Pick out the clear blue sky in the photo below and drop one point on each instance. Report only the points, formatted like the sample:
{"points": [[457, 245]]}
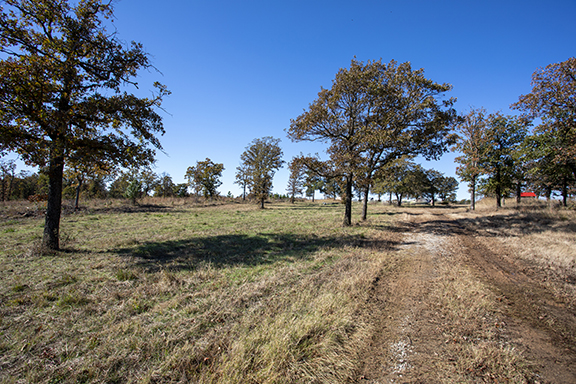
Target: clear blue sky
{"points": [[240, 70]]}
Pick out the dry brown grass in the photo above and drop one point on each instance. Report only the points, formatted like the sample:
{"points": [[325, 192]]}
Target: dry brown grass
{"points": [[458, 329], [214, 292], [474, 332], [207, 293], [543, 237]]}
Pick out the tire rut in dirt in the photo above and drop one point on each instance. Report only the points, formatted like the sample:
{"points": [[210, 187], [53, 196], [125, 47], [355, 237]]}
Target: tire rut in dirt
{"points": [[404, 345], [537, 320]]}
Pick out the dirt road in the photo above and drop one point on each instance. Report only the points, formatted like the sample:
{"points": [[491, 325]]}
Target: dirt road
{"points": [[462, 306]]}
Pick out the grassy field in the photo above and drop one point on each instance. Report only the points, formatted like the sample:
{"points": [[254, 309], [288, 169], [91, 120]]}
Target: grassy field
{"points": [[165, 293], [182, 291]]}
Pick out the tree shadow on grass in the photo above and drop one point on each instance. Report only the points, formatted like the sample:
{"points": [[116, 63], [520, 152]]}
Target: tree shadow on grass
{"points": [[392, 213], [502, 225], [140, 208], [240, 250]]}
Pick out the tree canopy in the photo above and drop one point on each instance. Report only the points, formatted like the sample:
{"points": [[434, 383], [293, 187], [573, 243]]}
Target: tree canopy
{"points": [[470, 132], [401, 177], [553, 100], [63, 92], [296, 179], [503, 137], [550, 152], [260, 161], [205, 177], [373, 114]]}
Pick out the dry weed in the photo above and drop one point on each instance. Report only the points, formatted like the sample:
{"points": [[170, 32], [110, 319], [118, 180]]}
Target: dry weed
{"points": [[473, 330]]}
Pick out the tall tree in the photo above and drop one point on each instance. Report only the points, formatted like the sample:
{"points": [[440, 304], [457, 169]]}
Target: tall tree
{"points": [[7, 174], [380, 187], [242, 178], [373, 114], [295, 179], [86, 165], [470, 132], [447, 188], [205, 177], [312, 183], [261, 159], [149, 180], [165, 186], [553, 101], [331, 187], [401, 177], [63, 92], [119, 184], [543, 172], [503, 137], [432, 182]]}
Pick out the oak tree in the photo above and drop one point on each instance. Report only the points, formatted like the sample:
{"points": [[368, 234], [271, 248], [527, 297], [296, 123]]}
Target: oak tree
{"points": [[242, 178], [373, 114], [312, 183], [63, 92], [295, 179], [205, 177], [165, 186], [503, 137], [436, 185], [553, 100], [401, 177], [544, 173], [447, 188], [86, 165], [470, 131], [431, 183], [148, 179], [261, 159]]}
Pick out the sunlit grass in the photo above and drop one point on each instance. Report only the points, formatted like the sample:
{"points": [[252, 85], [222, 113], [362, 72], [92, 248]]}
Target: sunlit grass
{"points": [[203, 293], [227, 293]]}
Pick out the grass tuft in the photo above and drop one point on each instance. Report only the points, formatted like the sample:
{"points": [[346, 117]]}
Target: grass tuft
{"points": [[126, 275]]}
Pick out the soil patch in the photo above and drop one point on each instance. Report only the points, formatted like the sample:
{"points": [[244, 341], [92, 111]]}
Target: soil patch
{"points": [[537, 320], [460, 307]]}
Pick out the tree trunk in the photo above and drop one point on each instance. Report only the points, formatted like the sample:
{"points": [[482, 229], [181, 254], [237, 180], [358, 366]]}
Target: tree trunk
{"points": [[473, 197], [390, 199], [348, 209], [399, 199], [549, 194], [262, 202], [564, 192], [365, 205], [498, 190], [80, 179], [518, 192], [10, 185], [313, 193], [50, 239]]}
